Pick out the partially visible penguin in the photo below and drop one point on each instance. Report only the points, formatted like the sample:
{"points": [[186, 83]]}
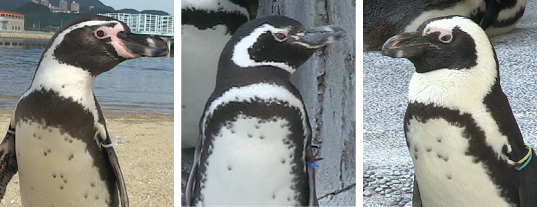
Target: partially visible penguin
{"points": [[255, 147], [57, 138], [383, 19], [465, 143], [501, 16], [206, 27]]}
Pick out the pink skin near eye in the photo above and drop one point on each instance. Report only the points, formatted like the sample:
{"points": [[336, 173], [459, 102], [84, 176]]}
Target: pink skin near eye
{"points": [[111, 32], [443, 32]]}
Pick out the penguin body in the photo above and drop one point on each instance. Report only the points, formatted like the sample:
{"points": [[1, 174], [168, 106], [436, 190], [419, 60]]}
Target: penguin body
{"points": [[256, 138], [206, 27], [463, 138], [64, 154]]}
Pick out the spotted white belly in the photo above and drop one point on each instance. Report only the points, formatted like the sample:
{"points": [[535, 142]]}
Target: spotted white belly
{"points": [[250, 165], [200, 53], [56, 170], [445, 175]]}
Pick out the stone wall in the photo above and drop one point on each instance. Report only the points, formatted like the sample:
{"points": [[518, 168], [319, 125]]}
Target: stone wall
{"points": [[327, 84]]}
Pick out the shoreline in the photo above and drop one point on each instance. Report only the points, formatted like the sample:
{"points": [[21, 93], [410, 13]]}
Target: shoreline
{"points": [[145, 152]]}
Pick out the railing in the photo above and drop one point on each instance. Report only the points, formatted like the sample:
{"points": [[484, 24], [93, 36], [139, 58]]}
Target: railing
{"points": [[26, 35]]}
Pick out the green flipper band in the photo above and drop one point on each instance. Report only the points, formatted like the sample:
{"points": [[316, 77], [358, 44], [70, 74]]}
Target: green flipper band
{"points": [[526, 159]]}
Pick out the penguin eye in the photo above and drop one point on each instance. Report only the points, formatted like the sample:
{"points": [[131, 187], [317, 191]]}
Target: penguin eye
{"points": [[100, 34], [445, 39], [280, 37]]}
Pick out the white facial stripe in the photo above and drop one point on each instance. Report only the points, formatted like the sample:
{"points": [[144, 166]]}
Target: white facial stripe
{"points": [[214, 6], [61, 35], [330, 40], [432, 29], [242, 58], [462, 89]]}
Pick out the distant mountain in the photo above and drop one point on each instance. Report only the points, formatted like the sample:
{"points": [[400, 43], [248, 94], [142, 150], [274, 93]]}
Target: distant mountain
{"points": [[134, 11], [10, 5], [155, 12], [128, 11], [32, 8]]}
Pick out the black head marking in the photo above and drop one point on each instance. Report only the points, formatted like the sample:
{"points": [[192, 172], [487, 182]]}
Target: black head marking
{"points": [[276, 41], [97, 44], [458, 54], [439, 43]]}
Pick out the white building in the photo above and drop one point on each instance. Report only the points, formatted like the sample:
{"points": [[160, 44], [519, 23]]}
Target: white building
{"points": [[11, 21], [146, 23], [63, 5], [45, 3], [75, 7]]}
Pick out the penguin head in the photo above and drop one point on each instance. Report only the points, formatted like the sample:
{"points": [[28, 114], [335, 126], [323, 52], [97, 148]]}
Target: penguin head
{"points": [[455, 62], [451, 42], [276, 41], [97, 44]]}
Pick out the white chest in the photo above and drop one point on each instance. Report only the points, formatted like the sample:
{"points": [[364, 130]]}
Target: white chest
{"points": [[250, 164], [56, 170], [445, 174]]}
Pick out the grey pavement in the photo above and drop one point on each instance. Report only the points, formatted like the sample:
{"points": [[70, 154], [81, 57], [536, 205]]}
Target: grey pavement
{"points": [[388, 170]]}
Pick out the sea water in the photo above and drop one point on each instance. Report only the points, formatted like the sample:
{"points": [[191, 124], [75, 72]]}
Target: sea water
{"points": [[143, 85]]}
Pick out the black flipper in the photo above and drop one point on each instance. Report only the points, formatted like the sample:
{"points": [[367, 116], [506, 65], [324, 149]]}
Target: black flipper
{"points": [[193, 177], [114, 161], [416, 198], [528, 183], [8, 160], [491, 14]]}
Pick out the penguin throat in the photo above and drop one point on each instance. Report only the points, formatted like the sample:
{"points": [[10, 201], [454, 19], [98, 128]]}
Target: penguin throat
{"points": [[68, 81], [455, 89]]}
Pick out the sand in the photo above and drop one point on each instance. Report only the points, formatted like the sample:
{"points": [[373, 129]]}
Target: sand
{"points": [[145, 153]]}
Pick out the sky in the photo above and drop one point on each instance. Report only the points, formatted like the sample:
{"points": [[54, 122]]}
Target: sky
{"points": [[164, 5]]}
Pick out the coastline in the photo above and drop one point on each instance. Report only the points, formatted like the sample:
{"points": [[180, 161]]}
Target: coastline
{"points": [[145, 152]]}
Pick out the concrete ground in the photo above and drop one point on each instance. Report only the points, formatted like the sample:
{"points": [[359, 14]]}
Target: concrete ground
{"points": [[388, 169]]}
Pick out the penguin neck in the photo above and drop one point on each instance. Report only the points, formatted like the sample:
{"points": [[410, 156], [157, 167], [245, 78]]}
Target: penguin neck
{"points": [[66, 80], [233, 75], [462, 89]]}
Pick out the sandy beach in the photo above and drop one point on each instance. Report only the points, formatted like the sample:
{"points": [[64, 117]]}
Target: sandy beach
{"points": [[145, 151]]}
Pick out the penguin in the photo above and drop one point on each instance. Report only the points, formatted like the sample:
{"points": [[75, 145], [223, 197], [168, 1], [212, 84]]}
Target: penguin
{"points": [[57, 138], [255, 147], [383, 19], [465, 143], [501, 17], [206, 27]]}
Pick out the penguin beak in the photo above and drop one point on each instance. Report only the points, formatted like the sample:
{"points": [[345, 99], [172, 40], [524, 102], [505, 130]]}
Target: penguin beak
{"points": [[137, 45], [405, 45], [320, 36]]}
